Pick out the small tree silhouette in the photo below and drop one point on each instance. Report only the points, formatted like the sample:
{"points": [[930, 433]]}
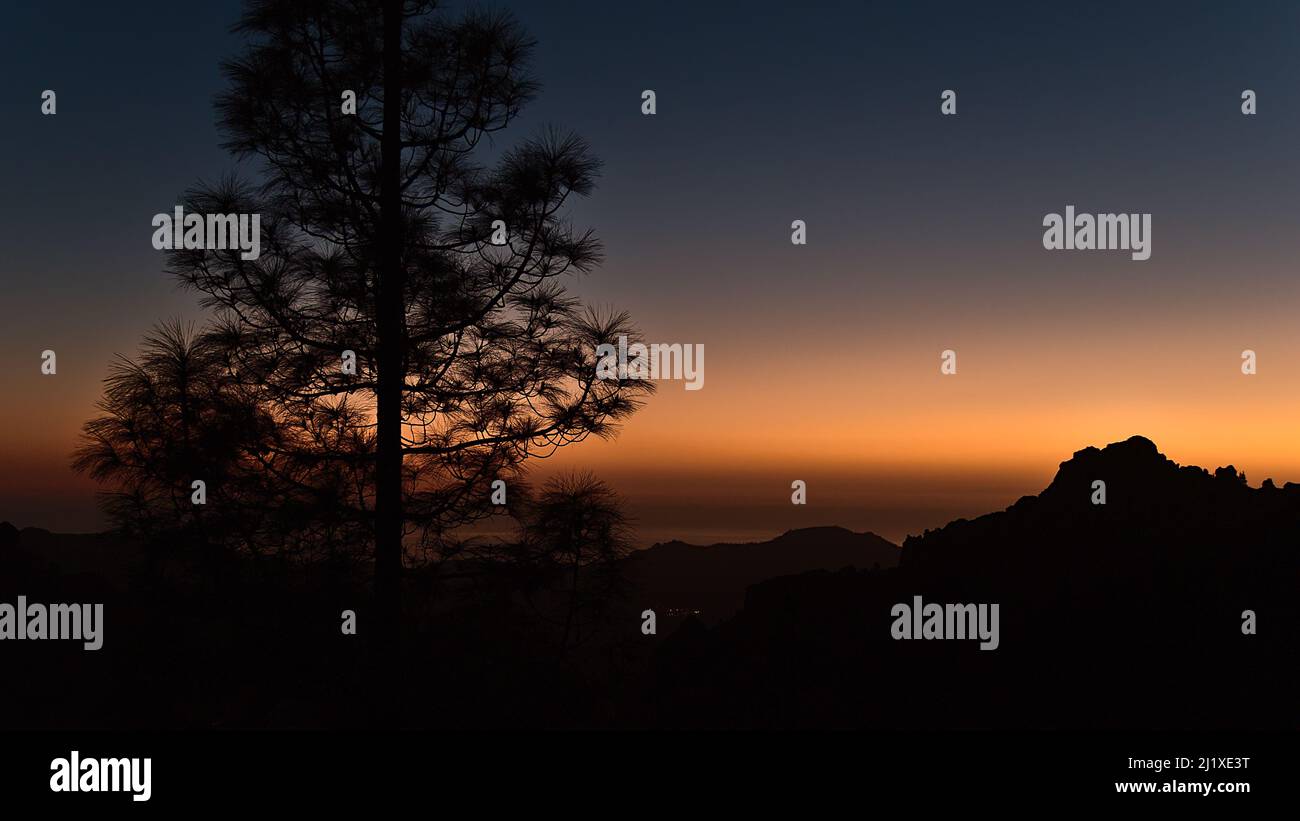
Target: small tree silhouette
{"points": [[377, 238], [168, 419], [575, 533], [172, 416]]}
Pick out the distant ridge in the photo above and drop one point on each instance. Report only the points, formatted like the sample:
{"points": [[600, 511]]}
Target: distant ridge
{"points": [[713, 578], [103, 556]]}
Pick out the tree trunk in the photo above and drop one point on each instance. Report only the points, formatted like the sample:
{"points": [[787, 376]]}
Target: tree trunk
{"points": [[390, 356]]}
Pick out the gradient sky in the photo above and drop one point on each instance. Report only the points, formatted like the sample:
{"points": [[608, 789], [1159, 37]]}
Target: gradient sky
{"points": [[821, 361]]}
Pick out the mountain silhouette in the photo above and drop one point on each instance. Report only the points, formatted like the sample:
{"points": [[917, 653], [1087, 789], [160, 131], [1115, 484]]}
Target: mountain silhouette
{"points": [[1123, 614], [101, 556], [710, 582]]}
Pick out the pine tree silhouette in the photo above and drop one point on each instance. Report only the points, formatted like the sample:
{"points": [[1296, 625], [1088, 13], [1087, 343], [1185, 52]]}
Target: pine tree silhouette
{"points": [[381, 236]]}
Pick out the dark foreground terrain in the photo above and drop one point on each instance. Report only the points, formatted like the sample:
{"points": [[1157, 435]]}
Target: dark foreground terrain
{"points": [[1124, 615]]}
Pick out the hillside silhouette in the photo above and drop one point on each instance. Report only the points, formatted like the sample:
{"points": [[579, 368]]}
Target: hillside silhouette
{"points": [[1126, 614], [1122, 615]]}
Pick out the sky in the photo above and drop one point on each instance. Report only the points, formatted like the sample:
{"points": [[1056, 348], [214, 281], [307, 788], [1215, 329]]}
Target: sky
{"points": [[924, 234]]}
